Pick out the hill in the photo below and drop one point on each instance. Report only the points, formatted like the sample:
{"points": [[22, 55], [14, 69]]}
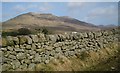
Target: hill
{"points": [[34, 20]]}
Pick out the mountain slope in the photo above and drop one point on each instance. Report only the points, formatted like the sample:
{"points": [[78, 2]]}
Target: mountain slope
{"points": [[35, 20]]}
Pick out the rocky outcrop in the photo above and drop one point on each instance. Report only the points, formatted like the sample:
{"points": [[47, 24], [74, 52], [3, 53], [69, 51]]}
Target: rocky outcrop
{"points": [[25, 52]]}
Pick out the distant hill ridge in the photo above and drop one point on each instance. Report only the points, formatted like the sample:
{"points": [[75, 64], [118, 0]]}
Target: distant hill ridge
{"points": [[35, 20]]}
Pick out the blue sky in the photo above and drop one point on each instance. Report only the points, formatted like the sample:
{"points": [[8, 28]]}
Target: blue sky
{"points": [[98, 13]]}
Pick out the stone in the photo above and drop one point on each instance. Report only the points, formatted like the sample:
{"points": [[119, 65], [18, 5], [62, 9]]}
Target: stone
{"points": [[62, 37], [18, 50], [10, 41], [22, 46], [12, 57], [27, 61], [57, 37], [38, 45], [21, 56], [30, 57], [57, 55], [6, 60], [23, 67], [58, 44], [28, 47], [67, 36], [75, 36], [76, 46], [66, 42], [31, 67], [29, 40], [33, 46], [43, 59], [5, 67], [16, 40], [31, 52], [15, 64], [17, 46], [52, 38], [51, 58], [49, 48], [12, 52], [72, 48], [4, 49], [37, 58], [41, 37], [90, 35], [52, 53], [47, 52], [64, 47], [84, 35], [47, 61], [66, 53], [23, 40], [46, 57], [71, 53], [34, 38], [40, 50], [58, 49], [7, 53]]}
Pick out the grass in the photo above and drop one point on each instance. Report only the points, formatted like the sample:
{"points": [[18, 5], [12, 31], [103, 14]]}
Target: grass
{"points": [[43, 67], [111, 64]]}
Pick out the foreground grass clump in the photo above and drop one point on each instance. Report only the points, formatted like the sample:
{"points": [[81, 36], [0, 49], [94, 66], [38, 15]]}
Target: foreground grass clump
{"points": [[43, 67]]}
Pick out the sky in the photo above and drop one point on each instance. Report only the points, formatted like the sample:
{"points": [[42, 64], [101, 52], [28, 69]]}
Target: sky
{"points": [[98, 13]]}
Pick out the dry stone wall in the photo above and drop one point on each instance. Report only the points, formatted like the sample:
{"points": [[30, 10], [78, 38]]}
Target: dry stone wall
{"points": [[24, 52]]}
